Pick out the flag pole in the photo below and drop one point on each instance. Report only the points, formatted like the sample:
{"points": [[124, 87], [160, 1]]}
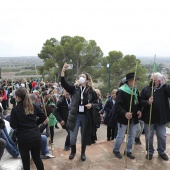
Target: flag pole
{"points": [[150, 114], [130, 109]]}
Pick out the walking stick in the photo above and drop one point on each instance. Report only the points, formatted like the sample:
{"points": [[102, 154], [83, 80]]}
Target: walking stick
{"points": [[130, 109], [150, 115], [43, 105]]}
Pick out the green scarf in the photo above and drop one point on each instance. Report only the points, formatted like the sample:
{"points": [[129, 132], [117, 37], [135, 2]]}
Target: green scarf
{"points": [[128, 90]]}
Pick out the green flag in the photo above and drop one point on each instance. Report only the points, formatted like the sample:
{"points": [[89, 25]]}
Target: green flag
{"points": [[155, 67]]}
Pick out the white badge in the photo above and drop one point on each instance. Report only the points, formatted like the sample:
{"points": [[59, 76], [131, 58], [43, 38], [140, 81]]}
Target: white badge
{"points": [[81, 108]]}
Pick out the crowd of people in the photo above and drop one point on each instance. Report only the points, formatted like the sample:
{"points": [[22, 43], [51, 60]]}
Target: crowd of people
{"points": [[37, 107]]}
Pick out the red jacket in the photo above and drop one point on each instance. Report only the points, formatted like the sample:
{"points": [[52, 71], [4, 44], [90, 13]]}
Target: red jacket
{"points": [[34, 83], [4, 95]]}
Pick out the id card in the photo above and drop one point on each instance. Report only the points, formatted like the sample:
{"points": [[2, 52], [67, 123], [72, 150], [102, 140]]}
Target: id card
{"points": [[81, 108]]}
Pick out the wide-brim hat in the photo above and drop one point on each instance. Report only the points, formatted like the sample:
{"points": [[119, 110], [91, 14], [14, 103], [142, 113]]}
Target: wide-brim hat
{"points": [[130, 76]]}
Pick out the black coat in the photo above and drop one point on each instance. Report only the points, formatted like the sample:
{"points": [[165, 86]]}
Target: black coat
{"points": [[27, 125], [122, 106], [160, 106], [74, 91], [108, 107], [61, 111]]}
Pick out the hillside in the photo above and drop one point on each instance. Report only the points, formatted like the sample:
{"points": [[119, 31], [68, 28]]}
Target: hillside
{"points": [[159, 60], [20, 62]]}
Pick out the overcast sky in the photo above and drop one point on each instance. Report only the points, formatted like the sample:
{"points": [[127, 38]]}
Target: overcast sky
{"points": [[139, 27]]}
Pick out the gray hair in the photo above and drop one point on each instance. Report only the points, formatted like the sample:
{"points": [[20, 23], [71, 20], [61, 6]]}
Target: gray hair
{"points": [[33, 97], [157, 75]]}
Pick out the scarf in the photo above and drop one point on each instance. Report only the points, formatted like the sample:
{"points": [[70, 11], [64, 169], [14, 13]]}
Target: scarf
{"points": [[128, 90]]}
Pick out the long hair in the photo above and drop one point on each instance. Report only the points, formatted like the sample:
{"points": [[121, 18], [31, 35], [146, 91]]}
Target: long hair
{"points": [[98, 92], [27, 103], [89, 83]]}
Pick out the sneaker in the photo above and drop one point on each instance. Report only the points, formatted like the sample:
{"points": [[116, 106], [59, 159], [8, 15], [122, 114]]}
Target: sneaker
{"points": [[149, 157], [47, 156], [164, 156], [50, 143], [117, 154], [83, 157], [129, 154]]}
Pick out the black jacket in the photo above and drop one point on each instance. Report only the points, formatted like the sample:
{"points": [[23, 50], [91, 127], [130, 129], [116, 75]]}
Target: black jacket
{"points": [[122, 106], [91, 95], [160, 106], [61, 111], [108, 106], [27, 125]]}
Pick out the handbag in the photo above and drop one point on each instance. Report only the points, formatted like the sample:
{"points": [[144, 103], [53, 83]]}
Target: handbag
{"points": [[12, 100]]}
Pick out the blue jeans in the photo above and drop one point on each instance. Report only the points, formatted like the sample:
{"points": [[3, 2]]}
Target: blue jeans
{"points": [[121, 134], [67, 142], [161, 137], [10, 145], [80, 122], [44, 147]]}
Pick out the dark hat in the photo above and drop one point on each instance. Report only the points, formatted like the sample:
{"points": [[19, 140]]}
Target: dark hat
{"points": [[130, 76]]}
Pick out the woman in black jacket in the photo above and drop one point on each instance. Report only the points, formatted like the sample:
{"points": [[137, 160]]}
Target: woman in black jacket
{"points": [[61, 112], [83, 97], [24, 120]]}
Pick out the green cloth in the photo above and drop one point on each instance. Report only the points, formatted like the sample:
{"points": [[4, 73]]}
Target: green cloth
{"points": [[49, 102], [128, 90], [52, 120]]}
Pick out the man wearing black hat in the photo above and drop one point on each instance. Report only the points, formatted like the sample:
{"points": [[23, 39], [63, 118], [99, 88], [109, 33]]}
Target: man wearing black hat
{"points": [[122, 107]]}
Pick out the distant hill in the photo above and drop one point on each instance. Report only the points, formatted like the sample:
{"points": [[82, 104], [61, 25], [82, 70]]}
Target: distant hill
{"points": [[29, 61], [20, 62], [159, 60]]}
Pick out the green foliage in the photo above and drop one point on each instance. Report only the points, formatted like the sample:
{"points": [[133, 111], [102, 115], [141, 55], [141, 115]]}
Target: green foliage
{"points": [[119, 67], [49, 63], [76, 50], [87, 56]]}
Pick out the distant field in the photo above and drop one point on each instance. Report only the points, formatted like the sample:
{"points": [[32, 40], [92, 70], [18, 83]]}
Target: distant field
{"points": [[26, 72], [11, 70], [18, 73]]}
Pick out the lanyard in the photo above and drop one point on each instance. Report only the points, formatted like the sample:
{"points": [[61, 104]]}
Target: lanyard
{"points": [[82, 91], [68, 104], [113, 102]]}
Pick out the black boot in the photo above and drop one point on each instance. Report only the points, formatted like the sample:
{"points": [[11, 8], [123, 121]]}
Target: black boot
{"points": [[73, 151], [83, 149], [137, 141]]}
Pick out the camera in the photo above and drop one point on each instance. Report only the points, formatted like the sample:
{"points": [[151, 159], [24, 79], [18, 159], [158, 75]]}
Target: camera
{"points": [[70, 66]]}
